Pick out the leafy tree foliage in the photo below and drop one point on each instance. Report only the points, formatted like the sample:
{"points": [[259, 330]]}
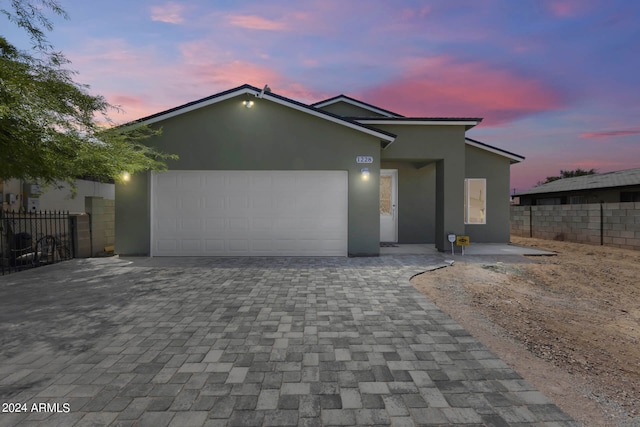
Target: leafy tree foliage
{"points": [[568, 174], [51, 128]]}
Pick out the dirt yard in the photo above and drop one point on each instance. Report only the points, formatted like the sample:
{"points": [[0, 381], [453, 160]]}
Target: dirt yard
{"points": [[569, 324]]}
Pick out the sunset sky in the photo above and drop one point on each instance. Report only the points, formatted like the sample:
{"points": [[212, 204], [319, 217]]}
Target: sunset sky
{"points": [[555, 80]]}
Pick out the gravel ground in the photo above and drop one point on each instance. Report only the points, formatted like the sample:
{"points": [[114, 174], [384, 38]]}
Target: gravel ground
{"points": [[568, 323]]}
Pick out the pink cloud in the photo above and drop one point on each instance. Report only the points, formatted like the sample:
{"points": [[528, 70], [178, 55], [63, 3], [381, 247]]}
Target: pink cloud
{"points": [[254, 22], [606, 134], [130, 107], [443, 86], [171, 13], [568, 8]]}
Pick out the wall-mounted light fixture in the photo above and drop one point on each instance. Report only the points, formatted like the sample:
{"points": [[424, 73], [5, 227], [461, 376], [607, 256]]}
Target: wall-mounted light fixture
{"points": [[365, 174], [247, 103], [125, 176]]}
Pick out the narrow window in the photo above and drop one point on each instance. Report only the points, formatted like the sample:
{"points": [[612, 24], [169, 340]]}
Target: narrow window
{"points": [[475, 201]]}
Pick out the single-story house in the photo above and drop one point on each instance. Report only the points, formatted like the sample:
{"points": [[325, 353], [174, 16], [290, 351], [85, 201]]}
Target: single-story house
{"points": [[260, 174], [610, 187]]}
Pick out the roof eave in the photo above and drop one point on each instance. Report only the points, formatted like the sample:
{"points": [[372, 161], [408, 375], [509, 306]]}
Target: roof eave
{"points": [[355, 102], [468, 123], [513, 158]]}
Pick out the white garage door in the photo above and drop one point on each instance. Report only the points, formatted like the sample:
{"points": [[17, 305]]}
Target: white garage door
{"points": [[249, 213]]}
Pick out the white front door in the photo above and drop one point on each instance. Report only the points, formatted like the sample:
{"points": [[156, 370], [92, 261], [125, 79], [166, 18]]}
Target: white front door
{"points": [[388, 205]]}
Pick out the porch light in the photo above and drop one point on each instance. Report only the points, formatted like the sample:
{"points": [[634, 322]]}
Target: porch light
{"points": [[125, 176], [247, 103], [365, 174]]}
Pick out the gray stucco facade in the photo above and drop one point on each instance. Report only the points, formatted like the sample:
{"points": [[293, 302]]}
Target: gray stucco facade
{"points": [[432, 158]]}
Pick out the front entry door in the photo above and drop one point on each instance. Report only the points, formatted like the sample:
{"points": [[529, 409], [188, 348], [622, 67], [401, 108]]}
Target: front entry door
{"points": [[388, 205]]}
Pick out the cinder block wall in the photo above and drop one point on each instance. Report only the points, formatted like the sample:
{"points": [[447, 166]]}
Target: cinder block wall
{"points": [[82, 235], [618, 225], [102, 213], [621, 225], [520, 221]]}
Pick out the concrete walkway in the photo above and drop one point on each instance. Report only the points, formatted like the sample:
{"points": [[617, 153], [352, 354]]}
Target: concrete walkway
{"points": [[247, 342], [500, 249]]}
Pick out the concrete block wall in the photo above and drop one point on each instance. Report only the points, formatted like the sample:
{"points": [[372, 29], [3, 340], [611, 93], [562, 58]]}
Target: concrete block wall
{"points": [[102, 213], [520, 221], [618, 224], [621, 225], [82, 235]]}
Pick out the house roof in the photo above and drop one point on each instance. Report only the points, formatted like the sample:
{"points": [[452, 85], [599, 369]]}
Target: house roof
{"points": [[515, 158], [467, 122], [621, 178], [270, 96], [357, 103], [362, 124]]}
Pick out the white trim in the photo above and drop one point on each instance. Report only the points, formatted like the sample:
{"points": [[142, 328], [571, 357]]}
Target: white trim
{"points": [[355, 103], [513, 157], [419, 122], [393, 173], [266, 95], [199, 105], [330, 118], [467, 194]]}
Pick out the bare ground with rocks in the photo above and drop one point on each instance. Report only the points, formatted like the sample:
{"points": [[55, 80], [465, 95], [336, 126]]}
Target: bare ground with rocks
{"points": [[569, 324]]}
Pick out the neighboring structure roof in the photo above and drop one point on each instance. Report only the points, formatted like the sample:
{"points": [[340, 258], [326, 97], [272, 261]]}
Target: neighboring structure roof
{"points": [[353, 101], [515, 158], [621, 178], [254, 91]]}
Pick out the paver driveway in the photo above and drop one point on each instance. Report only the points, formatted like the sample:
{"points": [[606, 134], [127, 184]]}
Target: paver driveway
{"points": [[247, 342]]}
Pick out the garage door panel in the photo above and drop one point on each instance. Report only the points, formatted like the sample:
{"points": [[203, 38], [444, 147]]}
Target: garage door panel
{"points": [[213, 203], [214, 245], [168, 245], [237, 202], [191, 245], [190, 181], [238, 181], [212, 213], [238, 245], [262, 223], [262, 182], [167, 181]]}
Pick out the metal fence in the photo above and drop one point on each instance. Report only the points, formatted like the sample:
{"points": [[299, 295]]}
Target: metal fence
{"points": [[33, 239]]}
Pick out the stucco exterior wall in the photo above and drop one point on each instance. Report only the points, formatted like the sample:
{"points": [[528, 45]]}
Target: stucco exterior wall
{"points": [[133, 216], [495, 169], [269, 136], [444, 146], [416, 201]]}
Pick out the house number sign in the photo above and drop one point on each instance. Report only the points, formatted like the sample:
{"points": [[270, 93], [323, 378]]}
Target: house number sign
{"points": [[364, 159]]}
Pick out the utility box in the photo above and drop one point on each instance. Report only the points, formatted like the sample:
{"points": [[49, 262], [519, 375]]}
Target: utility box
{"points": [[33, 204], [12, 198]]}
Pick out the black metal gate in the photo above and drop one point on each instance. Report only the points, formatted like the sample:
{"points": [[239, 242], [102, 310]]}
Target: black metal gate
{"points": [[33, 239]]}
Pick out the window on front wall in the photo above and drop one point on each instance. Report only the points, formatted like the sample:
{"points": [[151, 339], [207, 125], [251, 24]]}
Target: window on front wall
{"points": [[475, 201]]}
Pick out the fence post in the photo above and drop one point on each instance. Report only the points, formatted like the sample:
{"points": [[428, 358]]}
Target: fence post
{"points": [[72, 233], [601, 225]]}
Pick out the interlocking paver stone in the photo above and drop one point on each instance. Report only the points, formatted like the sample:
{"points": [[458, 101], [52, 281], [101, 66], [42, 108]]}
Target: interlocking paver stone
{"points": [[249, 341]]}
